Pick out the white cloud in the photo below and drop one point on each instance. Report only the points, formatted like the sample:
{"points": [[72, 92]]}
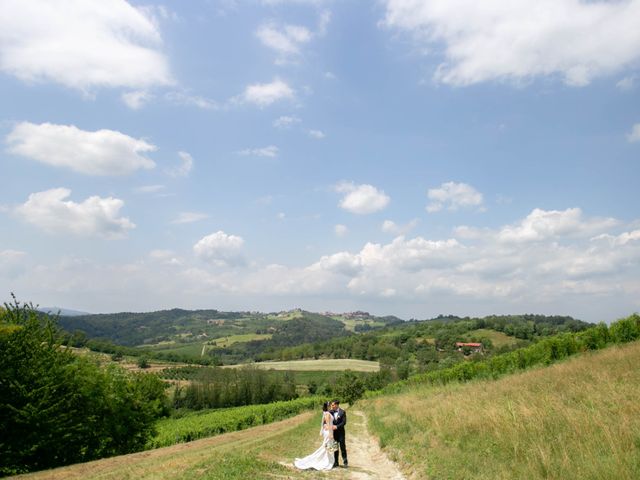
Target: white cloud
{"points": [[453, 196], [165, 257], [137, 99], [285, 121], [185, 167], [95, 216], [389, 226], [265, 94], [317, 134], [549, 224], [81, 44], [519, 40], [634, 135], [627, 83], [340, 230], [189, 217], [593, 278], [270, 151], [103, 152], [220, 249], [285, 40], [362, 199]]}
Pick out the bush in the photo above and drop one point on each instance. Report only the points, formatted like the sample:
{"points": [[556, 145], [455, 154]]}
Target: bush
{"points": [[57, 408]]}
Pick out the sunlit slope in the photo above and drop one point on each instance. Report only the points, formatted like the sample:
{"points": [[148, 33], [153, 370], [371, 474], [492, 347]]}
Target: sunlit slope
{"points": [[576, 419]]}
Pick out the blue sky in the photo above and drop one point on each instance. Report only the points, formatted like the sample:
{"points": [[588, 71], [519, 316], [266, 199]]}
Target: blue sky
{"points": [[401, 157]]}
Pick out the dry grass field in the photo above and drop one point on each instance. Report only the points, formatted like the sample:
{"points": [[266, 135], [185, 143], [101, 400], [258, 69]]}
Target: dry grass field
{"points": [[576, 419]]}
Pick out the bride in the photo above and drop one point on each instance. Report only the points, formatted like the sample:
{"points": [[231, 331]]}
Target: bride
{"points": [[322, 458]]}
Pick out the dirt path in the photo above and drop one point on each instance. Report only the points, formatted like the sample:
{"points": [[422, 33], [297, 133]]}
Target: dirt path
{"points": [[366, 460]]}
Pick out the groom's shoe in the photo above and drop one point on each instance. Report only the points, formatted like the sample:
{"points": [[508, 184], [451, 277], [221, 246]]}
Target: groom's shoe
{"points": [[345, 464], [335, 465]]}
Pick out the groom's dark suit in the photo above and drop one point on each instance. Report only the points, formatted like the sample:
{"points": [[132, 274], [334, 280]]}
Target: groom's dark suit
{"points": [[340, 420]]}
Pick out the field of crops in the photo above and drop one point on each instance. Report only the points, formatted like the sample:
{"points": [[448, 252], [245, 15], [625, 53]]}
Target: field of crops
{"points": [[215, 422]]}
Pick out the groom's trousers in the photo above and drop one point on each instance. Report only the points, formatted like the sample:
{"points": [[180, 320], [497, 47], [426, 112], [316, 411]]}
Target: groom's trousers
{"points": [[343, 448]]}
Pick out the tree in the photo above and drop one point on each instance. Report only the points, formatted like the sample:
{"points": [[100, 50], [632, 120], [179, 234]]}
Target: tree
{"points": [[58, 408], [348, 387]]}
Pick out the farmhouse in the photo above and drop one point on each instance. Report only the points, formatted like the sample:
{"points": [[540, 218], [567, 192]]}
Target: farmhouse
{"points": [[473, 347]]}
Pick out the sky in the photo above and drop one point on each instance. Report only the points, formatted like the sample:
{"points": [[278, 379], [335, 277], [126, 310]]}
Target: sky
{"points": [[402, 157]]}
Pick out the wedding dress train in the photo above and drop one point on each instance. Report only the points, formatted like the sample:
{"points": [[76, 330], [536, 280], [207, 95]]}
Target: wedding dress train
{"points": [[321, 459]]}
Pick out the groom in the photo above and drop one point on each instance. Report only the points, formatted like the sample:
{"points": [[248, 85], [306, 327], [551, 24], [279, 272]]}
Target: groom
{"points": [[339, 421]]}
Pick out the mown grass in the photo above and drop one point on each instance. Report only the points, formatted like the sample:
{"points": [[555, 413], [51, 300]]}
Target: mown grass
{"points": [[317, 365], [576, 419], [242, 338], [498, 339]]}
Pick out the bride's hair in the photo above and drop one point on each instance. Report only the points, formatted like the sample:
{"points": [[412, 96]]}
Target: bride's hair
{"points": [[325, 406]]}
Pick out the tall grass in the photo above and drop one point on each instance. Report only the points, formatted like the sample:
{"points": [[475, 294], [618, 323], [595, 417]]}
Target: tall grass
{"points": [[575, 419]]}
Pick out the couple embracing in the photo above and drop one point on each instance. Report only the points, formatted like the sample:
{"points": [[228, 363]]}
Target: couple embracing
{"points": [[333, 439]]}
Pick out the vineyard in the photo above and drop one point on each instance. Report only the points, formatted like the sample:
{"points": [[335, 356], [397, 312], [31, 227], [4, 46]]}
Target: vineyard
{"points": [[199, 425]]}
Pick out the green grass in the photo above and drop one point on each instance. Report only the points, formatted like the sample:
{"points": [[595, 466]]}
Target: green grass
{"points": [[579, 418], [246, 337], [498, 339]]}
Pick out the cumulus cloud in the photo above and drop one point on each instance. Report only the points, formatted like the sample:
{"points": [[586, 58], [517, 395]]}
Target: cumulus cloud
{"points": [[189, 217], [81, 45], [265, 94], [103, 152], [220, 249], [548, 224], [577, 40], [361, 199], [453, 196], [566, 270], [389, 226], [95, 216], [271, 151], [634, 135]]}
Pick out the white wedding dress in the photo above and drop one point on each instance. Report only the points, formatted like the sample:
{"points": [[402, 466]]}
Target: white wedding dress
{"points": [[321, 459]]}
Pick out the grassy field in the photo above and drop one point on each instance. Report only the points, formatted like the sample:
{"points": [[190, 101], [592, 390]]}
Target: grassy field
{"points": [[498, 339], [576, 419], [247, 337], [322, 365]]}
